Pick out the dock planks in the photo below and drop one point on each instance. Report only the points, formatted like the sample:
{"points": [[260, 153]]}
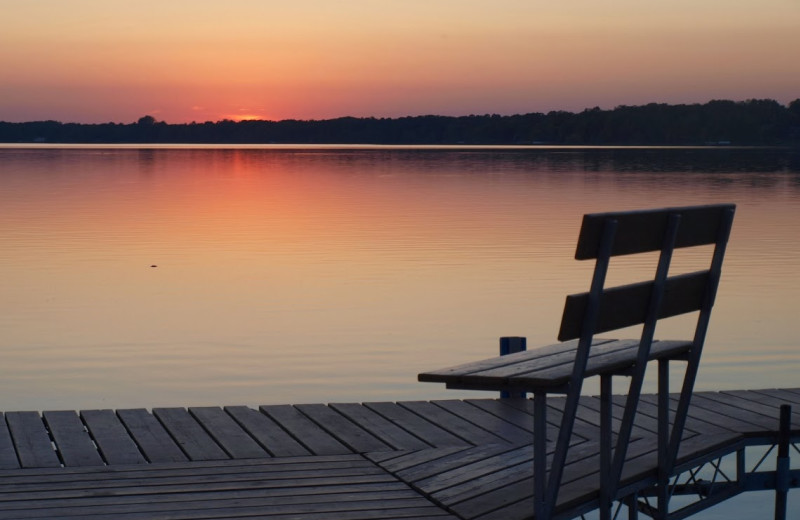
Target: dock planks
{"points": [[468, 459], [344, 486]]}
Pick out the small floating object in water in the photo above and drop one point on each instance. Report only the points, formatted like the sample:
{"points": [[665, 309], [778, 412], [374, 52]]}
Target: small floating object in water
{"points": [[154, 265]]}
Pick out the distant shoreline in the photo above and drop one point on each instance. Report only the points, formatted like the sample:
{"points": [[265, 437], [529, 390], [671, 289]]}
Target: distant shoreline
{"points": [[716, 123]]}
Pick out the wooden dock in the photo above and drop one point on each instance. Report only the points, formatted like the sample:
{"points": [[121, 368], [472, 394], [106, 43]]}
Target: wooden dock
{"points": [[469, 459]]}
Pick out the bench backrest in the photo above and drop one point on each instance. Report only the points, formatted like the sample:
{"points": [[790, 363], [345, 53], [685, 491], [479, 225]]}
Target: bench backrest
{"points": [[604, 235]]}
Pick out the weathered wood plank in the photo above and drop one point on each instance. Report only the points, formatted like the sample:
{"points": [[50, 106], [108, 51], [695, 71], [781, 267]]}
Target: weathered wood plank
{"points": [[493, 372], [72, 440], [515, 410], [702, 418], [769, 404], [386, 503], [489, 422], [385, 456], [627, 305], [388, 489], [600, 362], [151, 437], [788, 396], [503, 503], [538, 365], [731, 424], [8, 455], [305, 430], [648, 407], [642, 424], [495, 473], [303, 487], [590, 418], [416, 513], [319, 505], [525, 370], [410, 459], [451, 422], [505, 488], [266, 432], [587, 421], [138, 473], [189, 434], [396, 497], [416, 425], [111, 437], [380, 427], [457, 485], [209, 480], [769, 413], [581, 481], [442, 462], [739, 419], [759, 398], [508, 490], [643, 231], [32, 440], [443, 375], [522, 508], [347, 432], [227, 432], [555, 407], [795, 391], [509, 495]]}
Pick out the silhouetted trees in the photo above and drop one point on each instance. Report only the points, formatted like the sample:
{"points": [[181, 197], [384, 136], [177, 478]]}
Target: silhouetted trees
{"points": [[752, 122]]}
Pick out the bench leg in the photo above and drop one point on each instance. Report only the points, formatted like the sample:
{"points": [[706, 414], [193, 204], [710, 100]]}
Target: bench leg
{"points": [[605, 447], [663, 438], [539, 455]]}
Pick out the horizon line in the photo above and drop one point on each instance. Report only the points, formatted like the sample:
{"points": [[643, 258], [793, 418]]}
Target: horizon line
{"points": [[249, 119]]}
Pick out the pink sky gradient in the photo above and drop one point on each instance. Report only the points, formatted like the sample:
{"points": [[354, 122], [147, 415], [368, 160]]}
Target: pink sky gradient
{"points": [[200, 60]]}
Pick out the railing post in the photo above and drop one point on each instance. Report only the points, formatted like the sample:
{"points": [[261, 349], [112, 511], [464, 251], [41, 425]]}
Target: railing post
{"points": [[633, 506], [782, 468], [512, 345]]}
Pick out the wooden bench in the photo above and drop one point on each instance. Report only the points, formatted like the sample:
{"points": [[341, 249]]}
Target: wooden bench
{"points": [[562, 368]]}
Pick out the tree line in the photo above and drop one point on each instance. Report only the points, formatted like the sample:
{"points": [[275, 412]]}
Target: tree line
{"points": [[752, 122]]}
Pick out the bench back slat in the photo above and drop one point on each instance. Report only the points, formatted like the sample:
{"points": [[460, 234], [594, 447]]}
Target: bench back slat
{"points": [[643, 231], [627, 305]]}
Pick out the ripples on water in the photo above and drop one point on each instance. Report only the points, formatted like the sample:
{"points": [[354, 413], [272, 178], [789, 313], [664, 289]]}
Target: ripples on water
{"points": [[323, 274]]}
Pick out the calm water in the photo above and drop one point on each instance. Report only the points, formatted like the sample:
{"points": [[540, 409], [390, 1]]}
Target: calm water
{"points": [[190, 276]]}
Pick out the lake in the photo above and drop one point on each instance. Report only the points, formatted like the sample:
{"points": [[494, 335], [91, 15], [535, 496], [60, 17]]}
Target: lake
{"points": [[175, 276]]}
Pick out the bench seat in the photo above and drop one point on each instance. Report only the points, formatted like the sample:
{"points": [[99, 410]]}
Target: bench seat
{"points": [[551, 367]]}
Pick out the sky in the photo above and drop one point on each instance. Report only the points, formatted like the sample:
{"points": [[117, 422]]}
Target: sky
{"points": [[96, 61]]}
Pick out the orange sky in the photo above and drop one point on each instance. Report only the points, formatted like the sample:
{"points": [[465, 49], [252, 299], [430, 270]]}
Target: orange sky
{"points": [[201, 60]]}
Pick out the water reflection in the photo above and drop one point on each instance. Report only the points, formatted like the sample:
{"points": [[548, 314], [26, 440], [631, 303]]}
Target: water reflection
{"points": [[317, 274]]}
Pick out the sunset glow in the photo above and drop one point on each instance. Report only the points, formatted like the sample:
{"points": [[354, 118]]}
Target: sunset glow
{"points": [[247, 117], [183, 61]]}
